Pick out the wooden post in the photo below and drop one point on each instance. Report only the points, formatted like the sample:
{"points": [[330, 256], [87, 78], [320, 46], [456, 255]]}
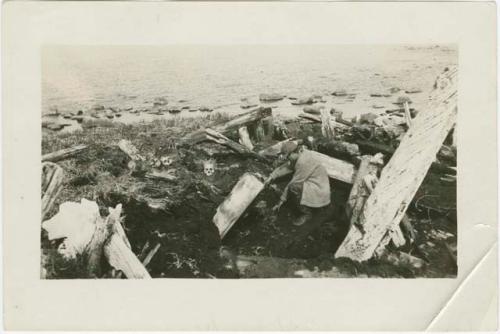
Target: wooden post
{"points": [[245, 138], [405, 171], [358, 195], [52, 182], [326, 125], [64, 154], [407, 114], [242, 195]]}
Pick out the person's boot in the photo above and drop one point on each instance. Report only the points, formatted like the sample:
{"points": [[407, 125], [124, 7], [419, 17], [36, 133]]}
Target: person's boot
{"points": [[306, 214]]}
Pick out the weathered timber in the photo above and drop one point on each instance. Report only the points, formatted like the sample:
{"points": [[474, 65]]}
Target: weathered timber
{"points": [[327, 129], [315, 118], [94, 250], [245, 138], [339, 149], [358, 194], [234, 124], [274, 150], [117, 249], [241, 196], [64, 153], [121, 257], [404, 173], [372, 147], [336, 168], [161, 175], [223, 140], [407, 114], [52, 182], [150, 255]]}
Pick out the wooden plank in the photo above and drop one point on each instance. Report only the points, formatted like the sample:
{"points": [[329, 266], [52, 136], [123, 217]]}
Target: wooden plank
{"points": [[274, 150], [358, 195], [242, 195], [336, 168], [404, 173], [234, 124], [407, 114], [64, 153], [245, 138], [52, 182]]}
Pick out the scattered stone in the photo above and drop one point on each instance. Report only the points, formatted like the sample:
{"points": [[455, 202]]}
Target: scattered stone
{"points": [[340, 92], [380, 95], [377, 106], [205, 109], [273, 97], [248, 105], [56, 126], [174, 109], [394, 90], [315, 110], [413, 91], [302, 101]]}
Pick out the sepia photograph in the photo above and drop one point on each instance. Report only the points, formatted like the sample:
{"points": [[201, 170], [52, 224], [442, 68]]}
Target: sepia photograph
{"points": [[249, 161]]}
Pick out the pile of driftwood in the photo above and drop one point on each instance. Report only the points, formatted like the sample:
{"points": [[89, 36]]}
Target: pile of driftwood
{"points": [[409, 141]]}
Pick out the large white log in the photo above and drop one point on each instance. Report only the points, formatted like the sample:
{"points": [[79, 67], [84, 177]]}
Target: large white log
{"points": [[242, 195], [406, 170]]}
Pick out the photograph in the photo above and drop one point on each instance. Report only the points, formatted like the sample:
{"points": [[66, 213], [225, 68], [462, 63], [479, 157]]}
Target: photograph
{"points": [[249, 161]]}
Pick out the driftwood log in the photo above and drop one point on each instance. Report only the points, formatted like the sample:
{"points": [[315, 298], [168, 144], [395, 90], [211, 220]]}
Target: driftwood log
{"points": [[223, 140], [241, 196], [52, 182], [406, 170], [64, 154], [87, 234], [234, 124]]}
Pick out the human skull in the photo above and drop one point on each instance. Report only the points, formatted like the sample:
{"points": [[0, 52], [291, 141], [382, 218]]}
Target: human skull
{"points": [[166, 160], [209, 167]]}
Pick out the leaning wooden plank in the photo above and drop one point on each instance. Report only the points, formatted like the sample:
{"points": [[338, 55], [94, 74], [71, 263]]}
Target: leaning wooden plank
{"points": [[231, 125], [407, 114], [245, 138], [122, 258], [64, 153], [358, 194], [52, 182], [242, 195], [223, 140], [94, 250], [405, 171], [150, 255], [274, 150], [317, 119], [337, 169]]}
